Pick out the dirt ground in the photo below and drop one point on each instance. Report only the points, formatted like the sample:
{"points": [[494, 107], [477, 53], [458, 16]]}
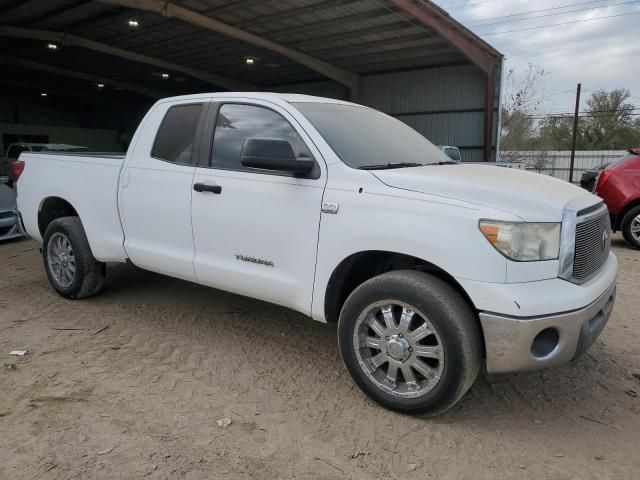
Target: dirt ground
{"points": [[132, 384]]}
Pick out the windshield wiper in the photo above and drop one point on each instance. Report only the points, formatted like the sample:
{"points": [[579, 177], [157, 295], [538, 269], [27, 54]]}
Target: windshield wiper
{"points": [[386, 166]]}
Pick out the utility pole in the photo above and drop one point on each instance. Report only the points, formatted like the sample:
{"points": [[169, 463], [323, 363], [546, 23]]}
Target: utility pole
{"points": [[575, 133]]}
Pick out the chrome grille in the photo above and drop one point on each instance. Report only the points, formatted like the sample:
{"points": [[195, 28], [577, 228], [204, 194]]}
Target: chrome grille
{"points": [[593, 241]]}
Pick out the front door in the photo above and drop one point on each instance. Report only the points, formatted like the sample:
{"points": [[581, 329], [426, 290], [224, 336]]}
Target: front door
{"points": [[255, 231]]}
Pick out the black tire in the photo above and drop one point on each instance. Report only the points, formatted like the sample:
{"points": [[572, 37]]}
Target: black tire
{"points": [[454, 320], [626, 227], [89, 273]]}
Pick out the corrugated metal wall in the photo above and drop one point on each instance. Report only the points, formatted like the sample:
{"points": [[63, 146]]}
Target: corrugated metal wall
{"points": [[445, 104]]}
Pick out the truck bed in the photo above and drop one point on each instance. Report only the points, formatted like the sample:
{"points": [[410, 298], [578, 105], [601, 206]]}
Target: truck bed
{"points": [[87, 181]]}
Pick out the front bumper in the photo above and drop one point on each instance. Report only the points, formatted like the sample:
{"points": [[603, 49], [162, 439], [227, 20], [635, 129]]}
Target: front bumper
{"points": [[517, 344]]}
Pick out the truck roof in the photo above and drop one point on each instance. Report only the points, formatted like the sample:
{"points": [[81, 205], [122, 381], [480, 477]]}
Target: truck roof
{"points": [[287, 97]]}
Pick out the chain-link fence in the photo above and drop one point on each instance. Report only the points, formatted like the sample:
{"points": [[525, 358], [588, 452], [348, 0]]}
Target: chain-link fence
{"points": [[557, 163]]}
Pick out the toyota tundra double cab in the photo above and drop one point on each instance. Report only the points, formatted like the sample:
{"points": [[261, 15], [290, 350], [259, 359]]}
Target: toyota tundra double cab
{"points": [[431, 269]]}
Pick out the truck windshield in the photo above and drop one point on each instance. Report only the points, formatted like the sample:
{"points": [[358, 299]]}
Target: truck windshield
{"points": [[367, 139]]}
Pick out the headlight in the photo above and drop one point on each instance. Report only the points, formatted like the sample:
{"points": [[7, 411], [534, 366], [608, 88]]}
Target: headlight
{"points": [[523, 242]]}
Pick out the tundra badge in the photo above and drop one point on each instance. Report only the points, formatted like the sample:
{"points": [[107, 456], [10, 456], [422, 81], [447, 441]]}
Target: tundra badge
{"points": [[328, 207]]}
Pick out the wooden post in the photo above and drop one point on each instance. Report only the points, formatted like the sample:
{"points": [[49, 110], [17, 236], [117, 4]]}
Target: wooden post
{"points": [[575, 133]]}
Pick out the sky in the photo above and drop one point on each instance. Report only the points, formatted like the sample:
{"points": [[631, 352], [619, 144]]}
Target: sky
{"points": [[599, 53]]}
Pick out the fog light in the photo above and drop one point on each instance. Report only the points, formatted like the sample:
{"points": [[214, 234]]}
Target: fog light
{"points": [[545, 343]]}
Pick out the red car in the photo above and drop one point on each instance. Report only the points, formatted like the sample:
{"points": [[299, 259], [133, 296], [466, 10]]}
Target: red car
{"points": [[619, 186]]}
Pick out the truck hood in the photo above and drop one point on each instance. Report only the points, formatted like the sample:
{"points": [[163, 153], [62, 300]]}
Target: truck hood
{"points": [[530, 196]]}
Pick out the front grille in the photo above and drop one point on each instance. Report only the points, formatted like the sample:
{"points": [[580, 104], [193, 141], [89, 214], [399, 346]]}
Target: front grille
{"points": [[593, 241], [7, 214]]}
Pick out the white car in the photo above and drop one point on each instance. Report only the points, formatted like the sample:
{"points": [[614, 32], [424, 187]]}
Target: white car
{"points": [[432, 270]]}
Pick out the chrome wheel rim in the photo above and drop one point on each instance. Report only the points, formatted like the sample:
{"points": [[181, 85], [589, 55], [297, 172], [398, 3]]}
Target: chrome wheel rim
{"points": [[398, 349], [61, 260], [635, 228]]}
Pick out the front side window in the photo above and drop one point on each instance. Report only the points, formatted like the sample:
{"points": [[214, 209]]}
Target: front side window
{"points": [[237, 122], [175, 137]]}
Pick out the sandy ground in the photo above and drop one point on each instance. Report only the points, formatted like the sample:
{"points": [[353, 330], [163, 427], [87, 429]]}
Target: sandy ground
{"points": [[131, 384]]}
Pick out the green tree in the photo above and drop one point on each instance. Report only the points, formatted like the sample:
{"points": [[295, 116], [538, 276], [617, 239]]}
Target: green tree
{"points": [[555, 133], [608, 122]]}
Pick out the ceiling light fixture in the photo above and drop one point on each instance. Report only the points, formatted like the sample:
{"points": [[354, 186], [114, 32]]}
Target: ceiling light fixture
{"points": [[52, 46], [165, 75], [100, 85], [249, 60], [133, 23], [43, 94]]}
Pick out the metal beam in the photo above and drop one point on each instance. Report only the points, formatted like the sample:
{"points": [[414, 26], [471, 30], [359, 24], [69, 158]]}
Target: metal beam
{"points": [[293, 12], [72, 40], [489, 101], [451, 31], [147, 92], [169, 9]]}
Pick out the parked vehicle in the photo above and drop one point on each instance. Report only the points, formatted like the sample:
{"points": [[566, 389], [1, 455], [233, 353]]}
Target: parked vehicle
{"points": [[619, 186], [8, 212], [589, 177], [452, 152], [15, 149], [431, 269]]}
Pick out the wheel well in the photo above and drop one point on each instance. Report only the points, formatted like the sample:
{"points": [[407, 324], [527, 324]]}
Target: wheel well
{"points": [[51, 209], [360, 267], [627, 207]]}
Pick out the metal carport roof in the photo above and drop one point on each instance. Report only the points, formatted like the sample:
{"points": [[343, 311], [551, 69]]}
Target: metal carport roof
{"points": [[203, 44]]}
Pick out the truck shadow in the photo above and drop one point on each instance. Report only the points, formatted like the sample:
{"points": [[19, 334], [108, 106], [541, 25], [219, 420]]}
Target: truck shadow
{"points": [[562, 394]]}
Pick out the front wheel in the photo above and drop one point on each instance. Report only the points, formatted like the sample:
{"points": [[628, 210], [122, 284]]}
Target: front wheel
{"points": [[410, 342], [631, 227], [71, 267]]}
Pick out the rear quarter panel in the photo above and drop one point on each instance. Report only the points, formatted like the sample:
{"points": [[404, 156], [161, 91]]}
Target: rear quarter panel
{"points": [[89, 184]]}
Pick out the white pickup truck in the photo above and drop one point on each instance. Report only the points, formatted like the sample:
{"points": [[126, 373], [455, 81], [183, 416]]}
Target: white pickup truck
{"points": [[431, 270]]}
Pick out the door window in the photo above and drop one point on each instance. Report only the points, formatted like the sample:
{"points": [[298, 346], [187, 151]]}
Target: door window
{"points": [[175, 138], [237, 122]]}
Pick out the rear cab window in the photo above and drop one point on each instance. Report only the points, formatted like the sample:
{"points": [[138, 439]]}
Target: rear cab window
{"points": [[175, 138]]}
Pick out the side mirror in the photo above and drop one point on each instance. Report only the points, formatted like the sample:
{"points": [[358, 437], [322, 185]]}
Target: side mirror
{"points": [[278, 155]]}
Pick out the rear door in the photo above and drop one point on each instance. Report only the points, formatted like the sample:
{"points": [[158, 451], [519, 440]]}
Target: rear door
{"points": [[156, 186], [256, 231]]}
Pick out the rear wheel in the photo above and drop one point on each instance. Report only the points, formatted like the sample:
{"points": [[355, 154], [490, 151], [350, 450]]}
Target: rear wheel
{"points": [[71, 267], [631, 227], [410, 342]]}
